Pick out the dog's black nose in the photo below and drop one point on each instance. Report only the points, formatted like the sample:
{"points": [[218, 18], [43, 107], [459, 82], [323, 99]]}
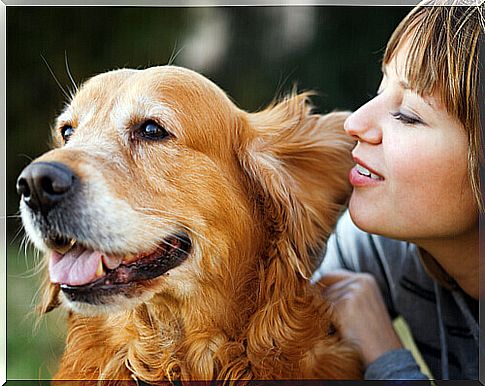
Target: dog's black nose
{"points": [[44, 184]]}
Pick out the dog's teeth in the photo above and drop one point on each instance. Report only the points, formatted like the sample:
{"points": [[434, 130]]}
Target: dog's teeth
{"points": [[71, 243], [100, 270]]}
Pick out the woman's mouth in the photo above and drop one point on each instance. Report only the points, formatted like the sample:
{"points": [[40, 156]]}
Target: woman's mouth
{"points": [[367, 173], [361, 176]]}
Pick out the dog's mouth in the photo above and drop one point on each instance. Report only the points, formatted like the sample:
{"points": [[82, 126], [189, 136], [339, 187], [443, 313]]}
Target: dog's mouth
{"points": [[81, 271]]}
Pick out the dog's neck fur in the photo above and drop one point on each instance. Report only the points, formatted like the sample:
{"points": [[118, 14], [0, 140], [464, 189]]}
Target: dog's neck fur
{"points": [[156, 343]]}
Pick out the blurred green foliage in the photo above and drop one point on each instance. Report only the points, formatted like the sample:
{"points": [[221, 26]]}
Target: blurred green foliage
{"points": [[253, 53], [34, 343]]}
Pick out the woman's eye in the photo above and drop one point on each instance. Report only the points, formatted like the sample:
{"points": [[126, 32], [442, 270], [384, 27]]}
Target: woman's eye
{"points": [[406, 119], [66, 132], [152, 131]]}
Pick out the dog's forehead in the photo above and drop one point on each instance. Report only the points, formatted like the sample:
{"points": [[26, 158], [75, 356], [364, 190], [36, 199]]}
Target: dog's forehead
{"points": [[189, 105], [154, 80], [94, 94], [102, 86], [172, 85]]}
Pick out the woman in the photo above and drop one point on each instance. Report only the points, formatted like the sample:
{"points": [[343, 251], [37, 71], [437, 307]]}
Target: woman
{"points": [[416, 200]]}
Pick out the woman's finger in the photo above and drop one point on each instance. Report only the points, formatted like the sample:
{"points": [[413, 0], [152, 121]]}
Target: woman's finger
{"points": [[336, 276]]}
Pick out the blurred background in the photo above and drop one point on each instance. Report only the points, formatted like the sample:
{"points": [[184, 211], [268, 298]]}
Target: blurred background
{"points": [[253, 53]]}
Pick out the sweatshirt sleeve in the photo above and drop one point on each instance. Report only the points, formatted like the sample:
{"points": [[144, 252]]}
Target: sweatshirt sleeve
{"points": [[395, 364]]}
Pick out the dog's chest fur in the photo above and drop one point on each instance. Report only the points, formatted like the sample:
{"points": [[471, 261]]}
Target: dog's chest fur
{"points": [[155, 343]]}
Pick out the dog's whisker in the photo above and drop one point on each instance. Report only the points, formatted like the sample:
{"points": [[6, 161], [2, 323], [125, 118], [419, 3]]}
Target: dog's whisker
{"points": [[29, 273], [26, 246], [155, 210], [55, 78], [10, 216], [176, 248], [17, 234], [36, 300], [38, 264], [23, 245], [69, 72], [39, 261], [174, 54], [28, 157]]}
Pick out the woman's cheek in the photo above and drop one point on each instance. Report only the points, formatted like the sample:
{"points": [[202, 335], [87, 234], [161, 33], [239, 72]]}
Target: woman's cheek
{"points": [[422, 157], [429, 182]]}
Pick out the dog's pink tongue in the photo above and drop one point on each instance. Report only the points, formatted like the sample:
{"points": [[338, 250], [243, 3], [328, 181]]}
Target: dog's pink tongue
{"points": [[76, 267]]}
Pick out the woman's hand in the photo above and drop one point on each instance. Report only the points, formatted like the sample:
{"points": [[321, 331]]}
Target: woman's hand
{"points": [[361, 313]]}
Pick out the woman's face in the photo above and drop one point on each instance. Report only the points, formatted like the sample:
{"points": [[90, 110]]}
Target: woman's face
{"points": [[417, 154]]}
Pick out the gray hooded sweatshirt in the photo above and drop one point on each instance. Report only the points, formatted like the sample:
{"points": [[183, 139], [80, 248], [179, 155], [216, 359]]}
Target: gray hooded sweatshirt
{"points": [[442, 318]]}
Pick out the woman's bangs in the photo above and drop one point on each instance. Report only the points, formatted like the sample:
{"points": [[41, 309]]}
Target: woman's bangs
{"points": [[426, 68]]}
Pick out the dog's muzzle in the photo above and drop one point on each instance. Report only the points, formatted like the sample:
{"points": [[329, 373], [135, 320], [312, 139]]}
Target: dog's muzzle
{"points": [[43, 185]]}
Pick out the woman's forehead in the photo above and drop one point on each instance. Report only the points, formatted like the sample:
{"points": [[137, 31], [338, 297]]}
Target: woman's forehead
{"points": [[397, 70]]}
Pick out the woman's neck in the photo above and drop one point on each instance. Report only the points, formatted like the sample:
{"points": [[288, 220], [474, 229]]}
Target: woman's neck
{"points": [[459, 257]]}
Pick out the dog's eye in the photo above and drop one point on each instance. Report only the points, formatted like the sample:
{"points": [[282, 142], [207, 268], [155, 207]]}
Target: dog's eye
{"points": [[152, 131], [66, 132]]}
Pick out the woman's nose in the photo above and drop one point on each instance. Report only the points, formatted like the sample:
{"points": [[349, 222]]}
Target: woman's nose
{"points": [[363, 124]]}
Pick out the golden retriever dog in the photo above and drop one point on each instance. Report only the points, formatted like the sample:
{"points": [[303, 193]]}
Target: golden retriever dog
{"points": [[181, 231]]}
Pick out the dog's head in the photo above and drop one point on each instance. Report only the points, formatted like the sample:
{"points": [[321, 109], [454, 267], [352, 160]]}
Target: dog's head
{"points": [[159, 185]]}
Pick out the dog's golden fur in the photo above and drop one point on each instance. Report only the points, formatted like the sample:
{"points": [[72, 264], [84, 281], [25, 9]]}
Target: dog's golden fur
{"points": [[258, 193]]}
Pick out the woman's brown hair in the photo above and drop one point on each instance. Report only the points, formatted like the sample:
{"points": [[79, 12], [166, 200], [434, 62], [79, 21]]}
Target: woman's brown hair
{"points": [[444, 58]]}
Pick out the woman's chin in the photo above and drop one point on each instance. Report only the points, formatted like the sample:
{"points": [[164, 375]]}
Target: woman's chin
{"points": [[367, 216]]}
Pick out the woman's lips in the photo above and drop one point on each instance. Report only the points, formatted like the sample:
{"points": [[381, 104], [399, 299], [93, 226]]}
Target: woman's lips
{"points": [[361, 175]]}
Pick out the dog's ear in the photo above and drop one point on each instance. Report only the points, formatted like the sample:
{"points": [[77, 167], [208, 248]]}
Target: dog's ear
{"points": [[297, 163]]}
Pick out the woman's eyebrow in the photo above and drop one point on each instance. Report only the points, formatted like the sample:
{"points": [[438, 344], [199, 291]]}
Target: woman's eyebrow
{"points": [[405, 86], [402, 83]]}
